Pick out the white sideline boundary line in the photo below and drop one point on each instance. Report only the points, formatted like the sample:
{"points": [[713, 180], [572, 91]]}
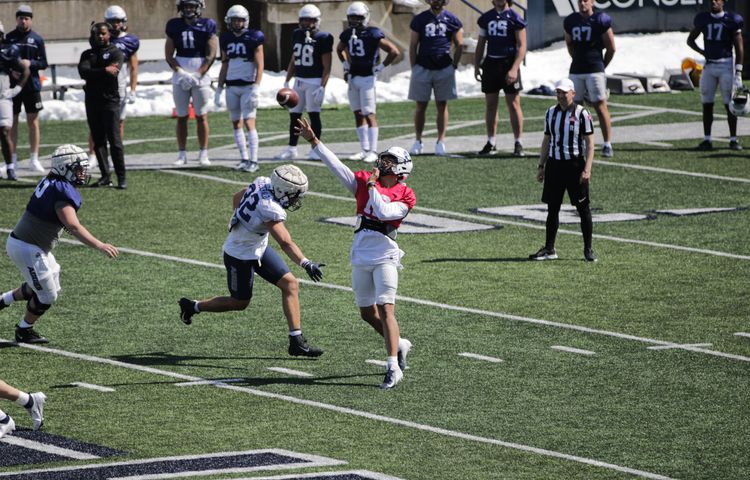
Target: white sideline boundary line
{"points": [[742, 334], [476, 356], [207, 382], [487, 219], [456, 308], [672, 171], [345, 410], [577, 350], [379, 363], [289, 371], [46, 448], [91, 386]]}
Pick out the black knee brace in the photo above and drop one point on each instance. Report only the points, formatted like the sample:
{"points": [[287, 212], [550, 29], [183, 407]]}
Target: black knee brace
{"points": [[35, 306], [26, 291]]}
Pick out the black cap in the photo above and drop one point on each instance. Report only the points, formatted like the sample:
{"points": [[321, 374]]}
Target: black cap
{"points": [[24, 11]]}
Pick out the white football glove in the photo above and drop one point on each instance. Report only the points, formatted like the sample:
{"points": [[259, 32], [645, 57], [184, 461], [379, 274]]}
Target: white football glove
{"points": [[319, 95], [130, 97], [217, 97], [738, 80], [183, 79], [11, 92], [378, 68]]}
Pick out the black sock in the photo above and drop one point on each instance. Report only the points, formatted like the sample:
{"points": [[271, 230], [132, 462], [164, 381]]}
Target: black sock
{"points": [[5, 420], [30, 403]]}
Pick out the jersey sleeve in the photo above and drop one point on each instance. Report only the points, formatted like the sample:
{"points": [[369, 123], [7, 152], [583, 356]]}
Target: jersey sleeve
{"points": [[259, 38], [223, 41], [271, 211], [170, 29], [416, 24], [327, 44], [410, 199], [605, 21], [588, 122], [377, 34], [211, 27], [136, 43], [739, 23], [519, 22], [568, 23], [67, 193]]}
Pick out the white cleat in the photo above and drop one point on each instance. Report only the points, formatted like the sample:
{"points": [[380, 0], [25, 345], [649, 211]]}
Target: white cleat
{"points": [[36, 166], [6, 428], [358, 156], [371, 157], [416, 148], [249, 167], [288, 153], [181, 159], [440, 149], [404, 346], [37, 410], [392, 378], [203, 158]]}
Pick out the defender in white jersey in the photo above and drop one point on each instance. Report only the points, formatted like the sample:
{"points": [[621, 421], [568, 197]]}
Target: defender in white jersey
{"points": [[260, 210]]}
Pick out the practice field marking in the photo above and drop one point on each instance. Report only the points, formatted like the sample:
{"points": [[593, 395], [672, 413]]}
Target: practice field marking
{"points": [[379, 363], [445, 306], [742, 334], [46, 448], [362, 474], [673, 172], [476, 356], [208, 382], [657, 144], [289, 371], [345, 410], [574, 350], [91, 386], [668, 347], [486, 219]]}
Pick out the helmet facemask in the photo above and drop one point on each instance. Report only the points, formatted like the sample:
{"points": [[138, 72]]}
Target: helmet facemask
{"points": [[394, 161]]}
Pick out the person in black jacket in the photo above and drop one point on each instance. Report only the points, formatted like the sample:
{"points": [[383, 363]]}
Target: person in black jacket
{"points": [[100, 66]]}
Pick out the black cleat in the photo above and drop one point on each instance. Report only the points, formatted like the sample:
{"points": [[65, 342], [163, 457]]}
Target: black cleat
{"points": [[705, 145], [2, 304], [518, 150], [589, 255], [544, 253], [735, 145], [11, 174], [488, 149], [121, 183], [102, 182], [187, 310], [298, 347], [29, 335]]}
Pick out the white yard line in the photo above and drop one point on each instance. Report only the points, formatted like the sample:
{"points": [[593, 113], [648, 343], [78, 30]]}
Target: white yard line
{"points": [[353, 412], [208, 382], [379, 363], [668, 347], [476, 356], [456, 308], [46, 448], [289, 371], [673, 172], [91, 386], [657, 144], [487, 219], [572, 350], [742, 334]]}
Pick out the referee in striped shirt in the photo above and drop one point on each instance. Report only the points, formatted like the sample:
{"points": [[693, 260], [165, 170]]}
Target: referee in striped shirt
{"points": [[565, 164]]}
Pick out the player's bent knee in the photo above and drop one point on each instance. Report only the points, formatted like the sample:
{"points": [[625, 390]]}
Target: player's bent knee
{"points": [[38, 305]]}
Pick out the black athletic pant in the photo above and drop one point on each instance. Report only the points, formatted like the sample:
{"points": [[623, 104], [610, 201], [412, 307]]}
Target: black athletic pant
{"points": [[104, 123]]}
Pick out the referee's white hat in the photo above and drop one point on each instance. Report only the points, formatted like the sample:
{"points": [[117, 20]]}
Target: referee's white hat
{"points": [[566, 85]]}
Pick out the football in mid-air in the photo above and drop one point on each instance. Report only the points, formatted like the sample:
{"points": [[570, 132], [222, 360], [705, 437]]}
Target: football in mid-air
{"points": [[287, 98]]}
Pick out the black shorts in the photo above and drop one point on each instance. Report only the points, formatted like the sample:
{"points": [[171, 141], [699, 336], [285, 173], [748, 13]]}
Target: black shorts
{"points": [[494, 71], [32, 102], [240, 272], [560, 176]]}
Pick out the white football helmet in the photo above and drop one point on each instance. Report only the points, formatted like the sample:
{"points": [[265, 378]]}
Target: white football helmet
{"points": [[237, 11], [199, 6], [740, 104], [402, 165], [289, 185], [358, 9], [115, 12], [310, 11], [72, 163]]}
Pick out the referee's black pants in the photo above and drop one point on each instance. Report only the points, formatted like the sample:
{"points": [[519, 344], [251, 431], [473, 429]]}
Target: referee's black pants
{"points": [[104, 123]]}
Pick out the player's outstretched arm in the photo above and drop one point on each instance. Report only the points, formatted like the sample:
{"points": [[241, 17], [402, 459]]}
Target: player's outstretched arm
{"points": [[69, 219], [279, 232], [342, 172]]}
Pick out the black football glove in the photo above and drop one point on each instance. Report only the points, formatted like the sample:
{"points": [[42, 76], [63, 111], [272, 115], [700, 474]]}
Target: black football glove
{"points": [[313, 270]]}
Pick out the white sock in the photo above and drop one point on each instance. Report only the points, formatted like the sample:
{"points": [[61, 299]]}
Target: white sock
{"points": [[373, 134], [732, 139], [8, 297], [707, 138], [182, 154], [518, 139], [14, 158], [33, 156], [364, 139], [3, 417], [239, 140], [24, 324], [392, 363], [295, 333], [252, 141], [606, 144], [23, 399], [491, 140]]}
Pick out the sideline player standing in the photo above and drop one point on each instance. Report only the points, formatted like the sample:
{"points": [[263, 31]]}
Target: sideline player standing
{"points": [[565, 164], [383, 201], [241, 72], [358, 50], [260, 209], [31, 46], [586, 34], [52, 207], [190, 49], [10, 62], [129, 45], [32, 402], [721, 32], [310, 65], [432, 67], [504, 32]]}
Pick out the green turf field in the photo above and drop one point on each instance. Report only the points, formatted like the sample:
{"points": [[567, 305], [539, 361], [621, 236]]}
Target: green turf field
{"points": [[678, 284]]}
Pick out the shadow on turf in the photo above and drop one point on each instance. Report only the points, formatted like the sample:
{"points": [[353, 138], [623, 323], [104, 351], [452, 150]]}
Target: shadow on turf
{"points": [[259, 381], [164, 358], [472, 260]]}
